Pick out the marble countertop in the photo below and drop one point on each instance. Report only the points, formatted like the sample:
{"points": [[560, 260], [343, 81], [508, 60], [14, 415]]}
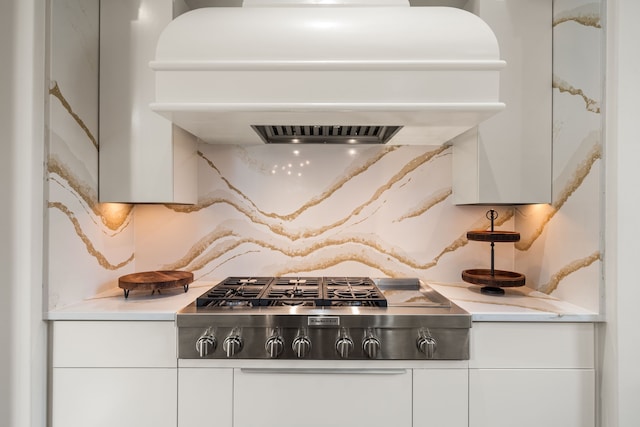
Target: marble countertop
{"points": [[141, 305], [520, 304], [517, 305]]}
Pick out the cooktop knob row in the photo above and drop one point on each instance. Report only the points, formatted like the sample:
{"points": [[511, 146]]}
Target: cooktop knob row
{"points": [[301, 344]]}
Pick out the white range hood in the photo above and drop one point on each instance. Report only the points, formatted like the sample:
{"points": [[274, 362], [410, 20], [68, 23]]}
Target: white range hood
{"points": [[360, 72]]}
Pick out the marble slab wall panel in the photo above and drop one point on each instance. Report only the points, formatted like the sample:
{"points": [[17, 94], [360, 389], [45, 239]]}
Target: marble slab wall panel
{"points": [[318, 210], [329, 210], [89, 244], [561, 250]]}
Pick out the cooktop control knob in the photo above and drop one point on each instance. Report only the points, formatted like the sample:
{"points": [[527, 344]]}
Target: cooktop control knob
{"points": [[232, 345], [371, 346], [301, 346], [274, 346], [427, 345], [344, 344], [206, 343]]}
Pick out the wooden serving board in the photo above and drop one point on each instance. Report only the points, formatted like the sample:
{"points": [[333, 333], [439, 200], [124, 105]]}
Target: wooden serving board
{"points": [[493, 282], [155, 281], [500, 278]]}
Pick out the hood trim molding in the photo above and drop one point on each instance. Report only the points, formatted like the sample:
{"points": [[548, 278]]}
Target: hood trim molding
{"points": [[237, 65]]}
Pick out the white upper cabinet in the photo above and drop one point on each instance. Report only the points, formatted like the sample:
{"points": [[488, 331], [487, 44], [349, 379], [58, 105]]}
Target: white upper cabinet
{"points": [[507, 158], [143, 157]]}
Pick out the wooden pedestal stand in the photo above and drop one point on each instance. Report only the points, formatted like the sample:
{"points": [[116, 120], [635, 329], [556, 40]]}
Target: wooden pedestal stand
{"points": [[155, 281], [492, 279]]}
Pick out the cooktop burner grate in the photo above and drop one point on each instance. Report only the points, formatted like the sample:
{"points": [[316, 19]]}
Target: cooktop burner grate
{"points": [[293, 291], [353, 291], [235, 292]]}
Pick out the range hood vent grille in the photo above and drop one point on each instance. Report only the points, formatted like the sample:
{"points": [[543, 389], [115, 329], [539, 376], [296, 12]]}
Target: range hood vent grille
{"points": [[316, 134]]}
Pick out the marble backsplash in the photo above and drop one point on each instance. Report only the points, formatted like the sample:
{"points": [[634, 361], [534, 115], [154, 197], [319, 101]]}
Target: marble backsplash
{"points": [[336, 210], [309, 210], [560, 251], [89, 244]]}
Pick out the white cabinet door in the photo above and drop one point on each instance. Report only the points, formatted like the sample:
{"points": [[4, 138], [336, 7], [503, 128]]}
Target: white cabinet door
{"points": [[203, 392], [108, 397], [322, 398], [531, 398], [114, 344], [440, 397]]}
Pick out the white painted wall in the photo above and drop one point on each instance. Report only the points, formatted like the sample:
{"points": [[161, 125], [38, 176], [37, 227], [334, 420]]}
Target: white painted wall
{"points": [[619, 339], [22, 331]]}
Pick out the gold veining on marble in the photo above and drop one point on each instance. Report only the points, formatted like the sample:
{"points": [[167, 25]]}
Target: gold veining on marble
{"points": [[199, 248], [432, 201], [56, 92], [572, 267], [214, 268], [280, 229], [313, 202], [563, 86], [580, 173], [91, 250], [324, 264], [502, 302], [204, 252], [291, 216], [587, 15], [523, 294], [308, 263], [113, 216], [302, 252]]}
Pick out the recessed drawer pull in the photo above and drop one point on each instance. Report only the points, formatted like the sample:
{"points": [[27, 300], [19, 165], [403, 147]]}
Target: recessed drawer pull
{"points": [[322, 371]]}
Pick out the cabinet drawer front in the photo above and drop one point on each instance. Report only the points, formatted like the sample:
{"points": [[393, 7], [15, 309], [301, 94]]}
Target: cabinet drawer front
{"points": [[441, 397], [203, 391], [532, 345], [110, 397], [114, 344], [531, 398], [319, 399]]}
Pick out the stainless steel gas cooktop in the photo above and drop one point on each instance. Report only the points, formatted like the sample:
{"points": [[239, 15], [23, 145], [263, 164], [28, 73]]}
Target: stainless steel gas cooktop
{"points": [[335, 318]]}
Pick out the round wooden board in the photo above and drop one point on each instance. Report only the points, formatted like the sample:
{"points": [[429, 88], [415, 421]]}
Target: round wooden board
{"points": [[500, 278], [155, 281], [493, 236]]}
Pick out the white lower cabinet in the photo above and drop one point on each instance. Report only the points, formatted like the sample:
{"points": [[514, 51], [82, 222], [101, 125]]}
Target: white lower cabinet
{"points": [[113, 373], [126, 374], [108, 397], [440, 397], [532, 375], [531, 397], [205, 397], [322, 398]]}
